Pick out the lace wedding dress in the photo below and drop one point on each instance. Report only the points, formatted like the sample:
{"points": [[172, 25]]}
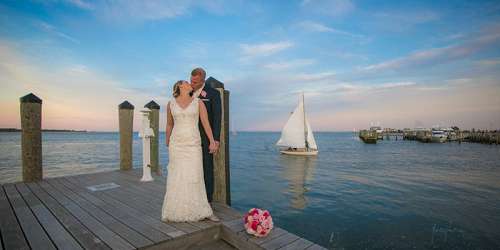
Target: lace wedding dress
{"points": [[185, 197]]}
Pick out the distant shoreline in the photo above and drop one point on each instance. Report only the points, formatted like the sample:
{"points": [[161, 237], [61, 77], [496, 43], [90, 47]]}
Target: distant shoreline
{"points": [[43, 130]]}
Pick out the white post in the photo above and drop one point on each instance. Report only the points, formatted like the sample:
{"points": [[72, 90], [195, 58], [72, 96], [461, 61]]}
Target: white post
{"points": [[146, 133]]}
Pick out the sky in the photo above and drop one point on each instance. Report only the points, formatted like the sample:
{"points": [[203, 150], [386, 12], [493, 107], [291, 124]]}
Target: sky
{"points": [[399, 64]]}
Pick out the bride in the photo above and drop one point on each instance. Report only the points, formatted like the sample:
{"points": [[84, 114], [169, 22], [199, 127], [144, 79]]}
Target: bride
{"points": [[185, 197]]}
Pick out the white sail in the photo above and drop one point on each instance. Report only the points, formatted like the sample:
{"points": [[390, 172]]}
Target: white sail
{"points": [[310, 136], [293, 133]]}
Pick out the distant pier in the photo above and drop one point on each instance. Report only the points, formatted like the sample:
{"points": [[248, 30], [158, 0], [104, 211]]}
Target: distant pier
{"points": [[474, 136], [428, 135]]}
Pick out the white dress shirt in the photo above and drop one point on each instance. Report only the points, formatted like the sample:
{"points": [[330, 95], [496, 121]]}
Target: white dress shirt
{"points": [[198, 92]]}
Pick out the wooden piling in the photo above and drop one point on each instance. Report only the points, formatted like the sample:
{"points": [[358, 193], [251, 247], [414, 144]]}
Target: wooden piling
{"points": [[126, 123], [222, 191], [154, 123], [31, 137]]}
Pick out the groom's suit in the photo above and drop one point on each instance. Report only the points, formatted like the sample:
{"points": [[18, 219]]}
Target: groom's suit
{"points": [[213, 104]]}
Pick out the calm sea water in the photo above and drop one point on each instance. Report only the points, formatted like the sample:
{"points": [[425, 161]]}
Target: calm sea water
{"points": [[395, 194]]}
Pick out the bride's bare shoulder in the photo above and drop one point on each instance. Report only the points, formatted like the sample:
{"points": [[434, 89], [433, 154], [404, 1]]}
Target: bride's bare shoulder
{"points": [[169, 103]]}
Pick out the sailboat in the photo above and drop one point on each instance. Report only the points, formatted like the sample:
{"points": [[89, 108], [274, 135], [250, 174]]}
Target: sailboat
{"points": [[297, 137]]}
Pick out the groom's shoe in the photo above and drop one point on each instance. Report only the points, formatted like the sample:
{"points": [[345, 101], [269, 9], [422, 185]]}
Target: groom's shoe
{"points": [[214, 218]]}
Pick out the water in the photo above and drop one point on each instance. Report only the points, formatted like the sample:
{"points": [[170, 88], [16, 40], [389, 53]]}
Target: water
{"points": [[395, 194]]}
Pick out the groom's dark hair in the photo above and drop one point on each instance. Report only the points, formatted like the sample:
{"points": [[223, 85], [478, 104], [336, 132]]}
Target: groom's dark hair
{"points": [[199, 71]]}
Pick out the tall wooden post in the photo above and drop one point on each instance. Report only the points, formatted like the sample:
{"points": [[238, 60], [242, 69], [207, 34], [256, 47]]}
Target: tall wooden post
{"points": [[31, 137], [222, 190], [154, 123], [126, 123]]}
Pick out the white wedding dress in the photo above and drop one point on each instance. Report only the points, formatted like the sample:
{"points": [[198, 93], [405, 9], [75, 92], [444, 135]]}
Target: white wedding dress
{"points": [[185, 197]]}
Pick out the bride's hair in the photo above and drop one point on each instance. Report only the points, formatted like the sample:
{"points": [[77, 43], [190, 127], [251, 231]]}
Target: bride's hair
{"points": [[177, 88]]}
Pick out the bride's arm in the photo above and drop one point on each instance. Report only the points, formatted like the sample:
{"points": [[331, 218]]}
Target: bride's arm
{"points": [[206, 126], [170, 124]]}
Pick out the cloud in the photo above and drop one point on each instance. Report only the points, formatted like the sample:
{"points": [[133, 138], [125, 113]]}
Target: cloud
{"points": [[311, 26], [467, 105], [284, 65], [467, 102], [489, 62], [52, 30], [264, 49], [315, 27], [74, 96], [82, 4], [151, 10], [487, 38], [403, 20], [409, 17], [333, 8], [78, 69], [330, 89], [311, 77]]}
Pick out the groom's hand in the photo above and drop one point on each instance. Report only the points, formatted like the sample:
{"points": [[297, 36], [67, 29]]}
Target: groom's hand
{"points": [[217, 144]]}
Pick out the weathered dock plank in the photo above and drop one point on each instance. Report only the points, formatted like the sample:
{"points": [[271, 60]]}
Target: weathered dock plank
{"points": [[12, 234], [153, 222], [283, 240], [83, 235], [33, 231], [144, 202], [116, 226], [61, 238], [155, 191], [119, 213], [109, 237]]}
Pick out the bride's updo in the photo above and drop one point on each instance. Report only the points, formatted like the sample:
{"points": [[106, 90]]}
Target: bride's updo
{"points": [[177, 88]]}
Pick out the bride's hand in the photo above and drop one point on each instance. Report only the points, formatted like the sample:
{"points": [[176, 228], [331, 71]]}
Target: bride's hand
{"points": [[212, 147]]}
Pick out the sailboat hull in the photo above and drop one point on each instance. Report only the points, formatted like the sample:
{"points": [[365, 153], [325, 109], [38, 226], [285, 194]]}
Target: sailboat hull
{"points": [[303, 153]]}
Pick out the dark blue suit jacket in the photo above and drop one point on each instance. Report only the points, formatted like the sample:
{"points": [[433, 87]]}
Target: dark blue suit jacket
{"points": [[214, 109]]}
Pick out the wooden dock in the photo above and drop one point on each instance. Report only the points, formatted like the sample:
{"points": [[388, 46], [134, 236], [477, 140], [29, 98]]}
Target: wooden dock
{"points": [[114, 210]]}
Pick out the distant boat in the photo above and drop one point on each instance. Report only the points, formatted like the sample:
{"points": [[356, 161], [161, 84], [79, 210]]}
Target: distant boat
{"points": [[378, 132], [297, 137], [368, 136], [439, 135]]}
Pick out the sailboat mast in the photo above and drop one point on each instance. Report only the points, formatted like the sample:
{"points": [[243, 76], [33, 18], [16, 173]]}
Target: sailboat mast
{"points": [[305, 124]]}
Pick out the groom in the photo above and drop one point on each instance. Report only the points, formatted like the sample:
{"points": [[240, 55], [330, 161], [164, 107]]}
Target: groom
{"points": [[211, 99]]}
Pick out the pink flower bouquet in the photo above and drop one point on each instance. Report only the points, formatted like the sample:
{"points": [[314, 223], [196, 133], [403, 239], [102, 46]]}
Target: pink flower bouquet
{"points": [[258, 222]]}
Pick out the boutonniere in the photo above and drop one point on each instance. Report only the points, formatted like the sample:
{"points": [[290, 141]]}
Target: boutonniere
{"points": [[203, 93]]}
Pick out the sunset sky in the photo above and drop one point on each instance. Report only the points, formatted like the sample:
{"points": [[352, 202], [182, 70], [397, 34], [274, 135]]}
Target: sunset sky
{"points": [[398, 63]]}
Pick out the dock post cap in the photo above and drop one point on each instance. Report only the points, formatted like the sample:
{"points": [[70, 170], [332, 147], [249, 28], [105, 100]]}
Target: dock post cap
{"points": [[30, 98], [152, 105], [214, 83], [126, 105]]}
